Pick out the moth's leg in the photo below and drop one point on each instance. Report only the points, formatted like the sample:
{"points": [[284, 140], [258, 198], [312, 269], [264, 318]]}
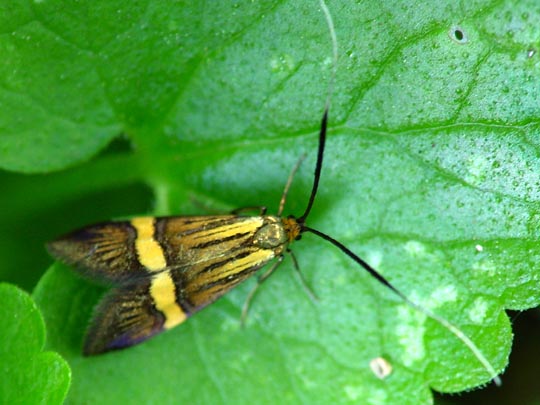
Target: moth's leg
{"points": [[260, 280], [261, 209], [310, 293]]}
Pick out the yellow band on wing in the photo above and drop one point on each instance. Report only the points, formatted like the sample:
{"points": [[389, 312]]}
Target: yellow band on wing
{"points": [[162, 291], [148, 249]]}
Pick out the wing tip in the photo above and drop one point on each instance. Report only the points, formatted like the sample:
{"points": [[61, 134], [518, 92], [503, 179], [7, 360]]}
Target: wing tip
{"points": [[123, 318]]}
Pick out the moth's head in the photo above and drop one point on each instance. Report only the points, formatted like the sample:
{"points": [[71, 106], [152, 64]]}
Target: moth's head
{"points": [[292, 228]]}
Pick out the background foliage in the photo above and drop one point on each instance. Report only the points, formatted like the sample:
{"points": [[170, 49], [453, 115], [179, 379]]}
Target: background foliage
{"points": [[432, 175]]}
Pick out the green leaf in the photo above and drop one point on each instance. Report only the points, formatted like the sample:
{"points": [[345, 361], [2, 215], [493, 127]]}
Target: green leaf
{"points": [[29, 375], [431, 174]]}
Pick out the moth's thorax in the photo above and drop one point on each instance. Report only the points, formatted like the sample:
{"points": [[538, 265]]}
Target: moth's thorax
{"points": [[271, 235]]}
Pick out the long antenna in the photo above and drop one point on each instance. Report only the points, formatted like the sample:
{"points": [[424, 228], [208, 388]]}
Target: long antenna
{"points": [[333, 36], [374, 273], [379, 277], [322, 133]]}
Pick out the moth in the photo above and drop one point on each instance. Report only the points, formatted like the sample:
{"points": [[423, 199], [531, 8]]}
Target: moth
{"points": [[166, 269]]}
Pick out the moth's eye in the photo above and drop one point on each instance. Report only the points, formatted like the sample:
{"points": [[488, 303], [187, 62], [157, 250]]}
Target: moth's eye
{"points": [[298, 237]]}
